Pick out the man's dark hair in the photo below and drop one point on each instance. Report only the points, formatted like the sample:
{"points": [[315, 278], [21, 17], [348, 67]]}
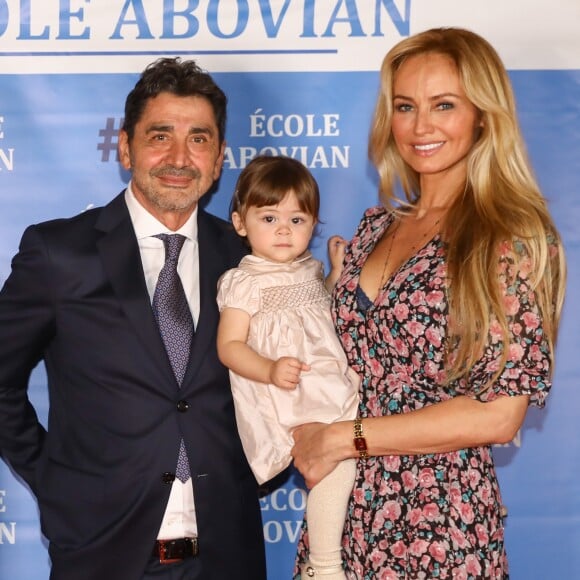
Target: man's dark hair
{"points": [[181, 78]]}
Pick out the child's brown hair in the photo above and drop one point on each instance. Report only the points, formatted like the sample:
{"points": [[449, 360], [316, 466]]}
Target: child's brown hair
{"points": [[267, 180]]}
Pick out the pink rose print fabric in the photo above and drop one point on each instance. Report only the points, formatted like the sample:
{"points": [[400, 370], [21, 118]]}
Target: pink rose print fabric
{"points": [[437, 515]]}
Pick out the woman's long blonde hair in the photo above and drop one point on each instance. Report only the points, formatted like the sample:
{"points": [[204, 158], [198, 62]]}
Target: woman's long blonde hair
{"points": [[501, 200]]}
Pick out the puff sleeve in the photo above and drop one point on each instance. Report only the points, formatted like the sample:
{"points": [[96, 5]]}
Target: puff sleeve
{"points": [[238, 289], [528, 367]]}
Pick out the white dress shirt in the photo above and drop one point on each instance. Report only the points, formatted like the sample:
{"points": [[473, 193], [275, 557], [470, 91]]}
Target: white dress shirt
{"points": [[179, 520]]}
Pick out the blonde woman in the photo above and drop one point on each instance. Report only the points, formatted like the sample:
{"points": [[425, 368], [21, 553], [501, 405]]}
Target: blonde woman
{"points": [[447, 307]]}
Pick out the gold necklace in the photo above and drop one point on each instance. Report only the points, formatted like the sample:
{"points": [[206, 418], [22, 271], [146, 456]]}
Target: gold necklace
{"points": [[422, 239], [397, 224]]}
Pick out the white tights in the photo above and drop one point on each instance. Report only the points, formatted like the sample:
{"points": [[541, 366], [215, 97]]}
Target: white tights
{"points": [[326, 513]]}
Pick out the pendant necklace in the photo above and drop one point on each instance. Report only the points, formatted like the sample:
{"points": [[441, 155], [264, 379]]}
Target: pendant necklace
{"points": [[396, 223], [413, 248], [422, 240]]}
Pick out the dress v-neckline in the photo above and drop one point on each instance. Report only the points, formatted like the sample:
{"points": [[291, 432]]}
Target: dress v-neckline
{"points": [[387, 283]]}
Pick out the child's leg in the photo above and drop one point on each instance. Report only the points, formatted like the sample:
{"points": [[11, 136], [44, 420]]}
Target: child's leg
{"points": [[326, 512]]}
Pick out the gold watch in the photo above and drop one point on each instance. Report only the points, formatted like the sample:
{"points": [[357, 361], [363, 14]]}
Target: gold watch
{"points": [[360, 443]]}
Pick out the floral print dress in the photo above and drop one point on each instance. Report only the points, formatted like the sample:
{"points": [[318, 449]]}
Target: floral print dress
{"points": [[436, 515]]}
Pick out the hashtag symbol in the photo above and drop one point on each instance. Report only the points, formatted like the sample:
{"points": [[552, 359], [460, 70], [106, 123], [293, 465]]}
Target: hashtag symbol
{"points": [[110, 139]]}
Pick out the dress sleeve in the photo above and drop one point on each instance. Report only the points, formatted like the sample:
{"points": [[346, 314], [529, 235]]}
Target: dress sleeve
{"points": [[238, 289], [527, 370]]}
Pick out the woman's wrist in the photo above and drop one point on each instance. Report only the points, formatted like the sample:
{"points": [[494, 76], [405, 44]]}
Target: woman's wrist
{"points": [[359, 440], [340, 441]]}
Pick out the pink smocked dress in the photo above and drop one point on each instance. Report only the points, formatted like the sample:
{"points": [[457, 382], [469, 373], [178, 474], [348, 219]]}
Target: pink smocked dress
{"points": [[290, 316]]}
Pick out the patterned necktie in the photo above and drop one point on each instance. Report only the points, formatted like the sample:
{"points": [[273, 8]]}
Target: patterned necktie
{"points": [[175, 323]]}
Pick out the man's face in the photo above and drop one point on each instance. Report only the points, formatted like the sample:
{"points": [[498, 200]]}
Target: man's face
{"points": [[174, 155]]}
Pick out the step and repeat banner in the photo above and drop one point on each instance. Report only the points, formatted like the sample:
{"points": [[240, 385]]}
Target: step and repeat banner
{"points": [[302, 78]]}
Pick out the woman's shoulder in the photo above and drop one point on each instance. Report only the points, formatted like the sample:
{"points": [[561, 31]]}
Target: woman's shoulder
{"points": [[373, 219], [375, 212]]}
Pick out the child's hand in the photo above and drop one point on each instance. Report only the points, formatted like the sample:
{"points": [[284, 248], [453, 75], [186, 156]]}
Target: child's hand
{"points": [[336, 248], [285, 372], [336, 251]]}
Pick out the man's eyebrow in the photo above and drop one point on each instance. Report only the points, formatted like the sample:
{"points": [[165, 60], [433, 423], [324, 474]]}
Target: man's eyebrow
{"points": [[162, 128], [202, 129], [159, 128]]}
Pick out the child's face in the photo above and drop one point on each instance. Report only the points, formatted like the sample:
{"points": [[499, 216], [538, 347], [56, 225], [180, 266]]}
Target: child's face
{"points": [[278, 233]]}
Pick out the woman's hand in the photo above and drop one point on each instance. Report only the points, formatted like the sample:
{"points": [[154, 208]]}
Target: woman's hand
{"points": [[314, 454]]}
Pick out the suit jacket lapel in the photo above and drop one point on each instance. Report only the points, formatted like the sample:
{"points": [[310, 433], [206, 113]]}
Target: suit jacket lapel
{"points": [[212, 262], [122, 262]]}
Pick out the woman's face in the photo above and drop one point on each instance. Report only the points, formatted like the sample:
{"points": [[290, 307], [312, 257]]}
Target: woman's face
{"points": [[434, 124]]}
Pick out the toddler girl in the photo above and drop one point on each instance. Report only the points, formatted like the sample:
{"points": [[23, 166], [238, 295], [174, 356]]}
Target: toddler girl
{"points": [[277, 338]]}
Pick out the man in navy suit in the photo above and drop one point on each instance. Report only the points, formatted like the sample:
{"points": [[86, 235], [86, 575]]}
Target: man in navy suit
{"points": [[79, 297]]}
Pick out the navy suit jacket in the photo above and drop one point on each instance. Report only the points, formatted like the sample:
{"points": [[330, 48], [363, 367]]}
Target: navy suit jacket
{"points": [[77, 299]]}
